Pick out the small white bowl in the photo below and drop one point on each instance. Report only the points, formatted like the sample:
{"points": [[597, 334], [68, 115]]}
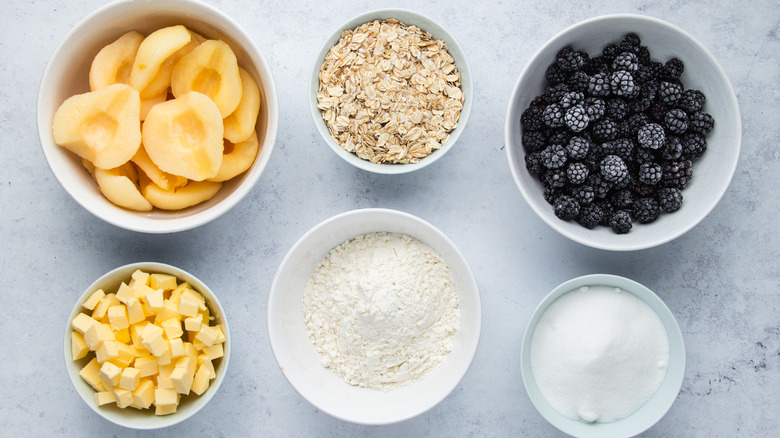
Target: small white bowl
{"points": [[146, 419], [297, 357], [438, 32], [67, 72], [712, 173], [655, 408]]}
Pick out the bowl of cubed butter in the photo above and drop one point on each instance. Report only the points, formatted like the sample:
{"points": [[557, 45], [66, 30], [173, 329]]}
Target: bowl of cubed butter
{"points": [[147, 345]]}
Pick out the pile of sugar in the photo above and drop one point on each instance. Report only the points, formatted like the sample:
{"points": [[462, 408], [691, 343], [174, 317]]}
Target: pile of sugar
{"points": [[599, 353]]}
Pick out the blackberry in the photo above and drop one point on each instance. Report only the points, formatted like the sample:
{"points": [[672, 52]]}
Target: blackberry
{"points": [[669, 199], [649, 89], [617, 109], [578, 148], [577, 173], [578, 81], [626, 61], [650, 71], [621, 83], [673, 69], [701, 123], [613, 168], [677, 174], [566, 208], [533, 162], [595, 108], [555, 178], [693, 145], [634, 123], [555, 93], [643, 155], [534, 140], [598, 85], [551, 194], [669, 93], [630, 40], [622, 147], [555, 74], [651, 136], [691, 101], [553, 156], [572, 99], [584, 194], [627, 182], [672, 149], [590, 216], [643, 190], [558, 136], [598, 64], [569, 59], [650, 173], [553, 116], [620, 222], [676, 121], [622, 199], [601, 186], [604, 130], [576, 118], [640, 105], [532, 118], [645, 210], [610, 51]]}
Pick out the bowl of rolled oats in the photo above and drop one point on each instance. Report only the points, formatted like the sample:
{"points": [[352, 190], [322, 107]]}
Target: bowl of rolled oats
{"points": [[391, 91]]}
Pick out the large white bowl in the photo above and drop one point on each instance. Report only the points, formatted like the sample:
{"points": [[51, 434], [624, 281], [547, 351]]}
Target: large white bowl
{"points": [[712, 172], [297, 357], [438, 32], [67, 72], [146, 419], [650, 412]]}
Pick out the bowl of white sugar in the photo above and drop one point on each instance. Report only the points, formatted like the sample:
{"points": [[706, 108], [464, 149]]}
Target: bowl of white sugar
{"points": [[602, 357], [374, 316]]}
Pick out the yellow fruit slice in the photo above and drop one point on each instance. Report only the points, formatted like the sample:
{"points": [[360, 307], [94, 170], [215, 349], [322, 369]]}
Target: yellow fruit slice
{"points": [[165, 180], [150, 74], [102, 126], [183, 136], [237, 158], [113, 62], [148, 102], [241, 123], [193, 193], [210, 69], [118, 186]]}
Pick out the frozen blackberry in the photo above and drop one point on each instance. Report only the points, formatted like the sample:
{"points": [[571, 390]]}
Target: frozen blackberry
{"points": [[622, 147], [634, 123], [642, 155], [644, 190], [649, 89], [576, 118], [650, 173], [598, 85], [673, 69], [669, 93], [622, 199], [534, 140], [611, 51], [555, 93], [677, 174], [626, 61], [620, 222], [601, 186], [578, 148], [598, 64], [604, 130], [627, 182], [621, 83], [555, 178], [577, 173], [551, 194], [555, 74], [676, 121], [669, 199], [532, 118], [701, 123], [645, 210], [595, 108], [617, 109], [640, 105], [691, 101], [613, 168], [693, 145], [630, 40], [558, 136], [533, 162], [569, 59], [584, 194], [590, 216], [578, 81], [572, 99], [651, 136], [553, 156], [672, 149], [553, 116], [566, 208], [649, 71]]}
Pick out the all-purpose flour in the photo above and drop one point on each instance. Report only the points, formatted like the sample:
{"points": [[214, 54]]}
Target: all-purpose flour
{"points": [[381, 310], [599, 353]]}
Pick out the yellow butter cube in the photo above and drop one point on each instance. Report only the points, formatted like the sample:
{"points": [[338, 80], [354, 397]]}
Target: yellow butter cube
{"points": [[109, 374], [117, 317], [143, 395], [182, 380], [139, 277], [122, 335], [188, 305], [125, 356], [193, 324], [135, 311], [135, 333], [78, 347], [165, 370], [220, 334], [140, 289], [165, 396], [172, 328], [204, 360], [104, 398], [124, 293], [170, 310], [207, 335], [165, 409], [154, 300], [147, 365], [124, 398], [187, 363], [93, 300], [82, 322], [97, 334], [165, 358], [162, 281], [90, 375], [180, 288], [108, 350], [152, 340], [200, 383], [130, 378], [214, 352], [177, 347], [102, 307], [164, 382]]}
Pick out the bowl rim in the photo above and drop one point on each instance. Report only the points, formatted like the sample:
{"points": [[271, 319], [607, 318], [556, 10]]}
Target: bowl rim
{"points": [[654, 409], [275, 319], [146, 419], [432, 27], [512, 153], [137, 221]]}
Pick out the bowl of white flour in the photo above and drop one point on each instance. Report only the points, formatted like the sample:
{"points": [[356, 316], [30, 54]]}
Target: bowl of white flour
{"points": [[602, 357], [374, 316]]}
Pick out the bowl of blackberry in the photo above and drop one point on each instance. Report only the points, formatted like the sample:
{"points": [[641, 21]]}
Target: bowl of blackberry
{"points": [[623, 132]]}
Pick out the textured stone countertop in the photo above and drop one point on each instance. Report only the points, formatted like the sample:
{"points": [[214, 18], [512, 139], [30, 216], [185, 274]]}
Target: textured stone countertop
{"points": [[720, 279]]}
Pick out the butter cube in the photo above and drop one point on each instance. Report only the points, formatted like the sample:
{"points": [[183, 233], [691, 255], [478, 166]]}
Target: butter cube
{"points": [[207, 335], [147, 365], [220, 334], [117, 317], [187, 363], [170, 310], [165, 409], [152, 340], [97, 334], [124, 293], [102, 307], [108, 350], [90, 375], [135, 333], [172, 328], [93, 300], [154, 300], [130, 378], [200, 383], [162, 281], [135, 311], [125, 355], [188, 305], [193, 324], [122, 335], [176, 293], [204, 360], [105, 397], [82, 322], [182, 380], [177, 347], [109, 374], [165, 396], [214, 352], [165, 370], [140, 289], [139, 277], [143, 395], [78, 347], [165, 382], [165, 358], [124, 398]]}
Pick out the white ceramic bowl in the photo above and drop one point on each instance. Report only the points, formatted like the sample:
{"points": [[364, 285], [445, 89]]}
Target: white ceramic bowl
{"points": [[712, 172], [438, 32], [146, 419], [297, 357], [650, 412], [67, 72]]}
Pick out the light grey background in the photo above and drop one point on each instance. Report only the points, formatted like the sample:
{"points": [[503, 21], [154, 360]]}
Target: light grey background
{"points": [[720, 279]]}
